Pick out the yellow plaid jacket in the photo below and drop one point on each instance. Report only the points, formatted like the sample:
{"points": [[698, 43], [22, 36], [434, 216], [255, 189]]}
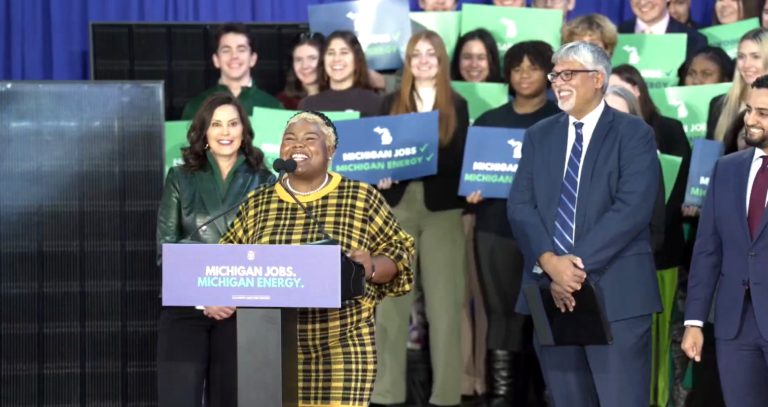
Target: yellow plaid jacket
{"points": [[337, 355]]}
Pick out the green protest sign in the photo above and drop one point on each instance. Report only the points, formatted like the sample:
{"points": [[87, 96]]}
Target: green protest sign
{"points": [[726, 36], [481, 96], [510, 25], [445, 23], [269, 125], [175, 139], [670, 167], [689, 104], [657, 57]]}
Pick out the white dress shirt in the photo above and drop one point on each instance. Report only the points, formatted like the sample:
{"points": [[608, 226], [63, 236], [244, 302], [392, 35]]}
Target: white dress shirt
{"points": [[757, 160], [590, 122], [658, 28], [425, 99]]}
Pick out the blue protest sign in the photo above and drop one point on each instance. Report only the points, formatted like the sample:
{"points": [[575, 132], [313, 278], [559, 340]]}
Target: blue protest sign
{"points": [[383, 27], [703, 158], [490, 162], [401, 147]]}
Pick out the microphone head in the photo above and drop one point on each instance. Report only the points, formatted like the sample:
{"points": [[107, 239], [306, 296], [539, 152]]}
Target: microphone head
{"points": [[279, 164], [290, 165]]}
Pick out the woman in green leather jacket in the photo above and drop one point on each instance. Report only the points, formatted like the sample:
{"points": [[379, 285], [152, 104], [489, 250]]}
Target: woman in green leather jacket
{"points": [[196, 353]]}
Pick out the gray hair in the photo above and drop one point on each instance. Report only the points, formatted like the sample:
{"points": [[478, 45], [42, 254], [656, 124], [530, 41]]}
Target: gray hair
{"points": [[629, 98], [587, 54]]}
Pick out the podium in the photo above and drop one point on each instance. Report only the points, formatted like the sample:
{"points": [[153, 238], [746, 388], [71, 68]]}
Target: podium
{"points": [[267, 283]]}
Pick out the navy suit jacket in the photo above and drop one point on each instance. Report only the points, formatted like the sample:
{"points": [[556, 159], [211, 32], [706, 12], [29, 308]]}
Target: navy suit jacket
{"points": [[618, 183], [726, 255], [694, 43]]}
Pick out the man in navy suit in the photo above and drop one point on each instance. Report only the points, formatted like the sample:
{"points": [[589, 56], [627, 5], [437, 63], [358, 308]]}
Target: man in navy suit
{"points": [[731, 256], [652, 17], [580, 208]]}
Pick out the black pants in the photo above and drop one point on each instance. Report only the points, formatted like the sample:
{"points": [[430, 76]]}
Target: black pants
{"points": [[196, 359], [500, 273]]}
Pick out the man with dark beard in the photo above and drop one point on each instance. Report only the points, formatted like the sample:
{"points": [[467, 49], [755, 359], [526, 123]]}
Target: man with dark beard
{"points": [[731, 255]]}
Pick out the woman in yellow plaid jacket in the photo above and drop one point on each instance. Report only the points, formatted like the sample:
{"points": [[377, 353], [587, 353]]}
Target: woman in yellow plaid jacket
{"points": [[337, 355]]}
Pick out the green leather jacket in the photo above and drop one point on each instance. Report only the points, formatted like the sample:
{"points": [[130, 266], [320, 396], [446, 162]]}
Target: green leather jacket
{"points": [[191, 198]]}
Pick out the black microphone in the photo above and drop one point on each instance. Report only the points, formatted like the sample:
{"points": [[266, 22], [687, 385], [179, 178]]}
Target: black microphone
{"points": [[290, 166], [279, 165], [352, 272]]}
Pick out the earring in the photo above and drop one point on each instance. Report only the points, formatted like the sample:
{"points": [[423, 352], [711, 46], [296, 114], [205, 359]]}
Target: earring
{"points": [[206, 146]]}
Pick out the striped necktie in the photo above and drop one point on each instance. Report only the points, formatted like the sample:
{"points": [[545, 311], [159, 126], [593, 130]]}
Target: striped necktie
{"points": [[565, 221]]}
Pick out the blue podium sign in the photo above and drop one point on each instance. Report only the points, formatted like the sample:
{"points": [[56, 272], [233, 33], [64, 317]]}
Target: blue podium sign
{"points": [[401, 147], [273, 276], [491, 155]]}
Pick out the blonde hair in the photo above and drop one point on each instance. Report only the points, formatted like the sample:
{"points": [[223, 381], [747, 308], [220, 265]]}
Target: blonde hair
{"points": [[738, 92], [405, 101], [597, 25], [323, 123]]}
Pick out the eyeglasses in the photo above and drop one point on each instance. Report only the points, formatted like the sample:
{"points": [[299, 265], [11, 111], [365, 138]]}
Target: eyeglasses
{"points": [[566, 75]]}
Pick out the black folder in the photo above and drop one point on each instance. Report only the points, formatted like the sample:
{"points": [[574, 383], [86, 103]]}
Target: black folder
{"points": [[352, 274], [585, 325]]}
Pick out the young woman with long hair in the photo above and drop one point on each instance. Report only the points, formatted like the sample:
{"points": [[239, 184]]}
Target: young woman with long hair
{"points": [[430, 210]]}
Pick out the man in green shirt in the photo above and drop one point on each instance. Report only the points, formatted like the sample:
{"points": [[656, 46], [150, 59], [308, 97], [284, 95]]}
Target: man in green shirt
{"points": [[234, 57]]}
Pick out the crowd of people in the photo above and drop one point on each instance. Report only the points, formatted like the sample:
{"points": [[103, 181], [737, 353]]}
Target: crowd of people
{"points": [[445, 272]]}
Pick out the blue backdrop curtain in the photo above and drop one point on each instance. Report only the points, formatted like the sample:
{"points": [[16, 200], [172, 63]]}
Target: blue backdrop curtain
{"points": [[48, 39]]}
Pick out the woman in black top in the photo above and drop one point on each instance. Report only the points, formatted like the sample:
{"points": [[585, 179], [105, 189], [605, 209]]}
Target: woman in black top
{"points": [[196, 358], [500, 260], [430, 210], [344, 80], [476, 58]]}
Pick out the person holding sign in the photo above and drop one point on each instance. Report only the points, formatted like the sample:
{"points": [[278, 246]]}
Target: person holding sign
{"points": [[498, 254], [680, 10], [652, 17], [196, 358], [344, 81], [751, 62], [709, 65], [580, 208], [235, 56], [302, 80], [476, 58], [429, 209], [337, 356], [729, 264]]}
